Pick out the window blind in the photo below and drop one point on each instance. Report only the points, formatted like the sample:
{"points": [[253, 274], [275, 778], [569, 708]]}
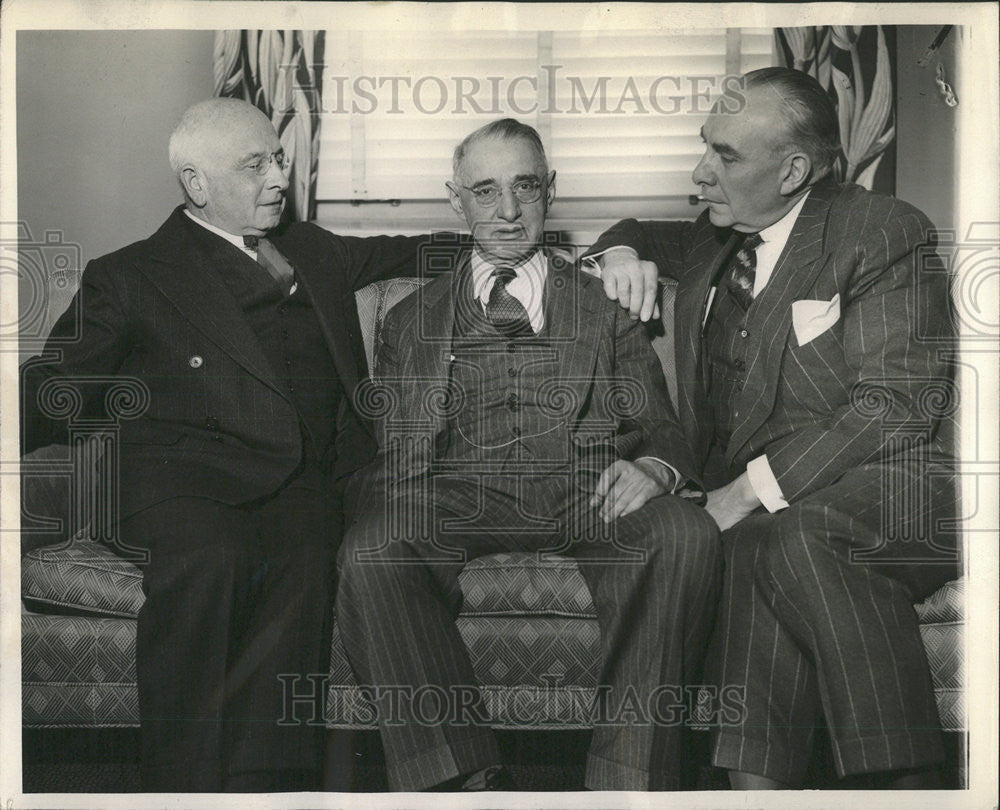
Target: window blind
{"points": [[619, 112]]}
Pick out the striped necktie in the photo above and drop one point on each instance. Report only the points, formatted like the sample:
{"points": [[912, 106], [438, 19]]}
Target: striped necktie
{"points": [[271, 260], [503, 310], [743, 270]]}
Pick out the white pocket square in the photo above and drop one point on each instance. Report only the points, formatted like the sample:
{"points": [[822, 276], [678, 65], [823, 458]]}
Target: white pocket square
{"points": [[812, 318]]}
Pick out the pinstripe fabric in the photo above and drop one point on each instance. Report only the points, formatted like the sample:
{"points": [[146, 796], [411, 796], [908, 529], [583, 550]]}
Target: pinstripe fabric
{"points": [[811, 632], [397, 623], [653, 588], [856, 425]]}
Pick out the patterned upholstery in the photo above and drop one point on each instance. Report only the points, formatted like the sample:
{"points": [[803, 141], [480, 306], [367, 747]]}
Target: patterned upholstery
{"points": [[83, 577], [78, 671], [528, 623]]}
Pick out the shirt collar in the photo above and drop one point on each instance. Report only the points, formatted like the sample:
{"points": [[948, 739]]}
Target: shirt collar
{"points": [[234, 240], [779, 232], [533, 270]]}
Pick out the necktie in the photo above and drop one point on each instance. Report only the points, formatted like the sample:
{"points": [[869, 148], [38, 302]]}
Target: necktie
{"points": [[503, 310], [271, 260], [743, 270]]}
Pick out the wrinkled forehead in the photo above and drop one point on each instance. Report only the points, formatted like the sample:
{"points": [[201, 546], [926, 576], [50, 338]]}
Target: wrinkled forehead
{"points": [[231, 139], [501, 160]]}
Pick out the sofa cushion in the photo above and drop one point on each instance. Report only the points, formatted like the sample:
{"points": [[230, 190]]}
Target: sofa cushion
{"points": [[81, 577], [78, 671], [519, 583], [946, 604]]}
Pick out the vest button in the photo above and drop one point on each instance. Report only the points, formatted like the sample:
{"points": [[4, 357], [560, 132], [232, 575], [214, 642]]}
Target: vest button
{"points": [[511, 347], [195, 361], [743, 333], [516, 430], [512, 403], [512, 371]]}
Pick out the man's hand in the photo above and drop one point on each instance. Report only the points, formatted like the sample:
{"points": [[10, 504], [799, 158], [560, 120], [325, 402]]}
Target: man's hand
{"points": [[626, 486], [631, 282], [728, 505]]}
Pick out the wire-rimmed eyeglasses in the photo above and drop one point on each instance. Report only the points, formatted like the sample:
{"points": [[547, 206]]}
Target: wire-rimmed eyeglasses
{"points": [[261, 165], [524, 191]]}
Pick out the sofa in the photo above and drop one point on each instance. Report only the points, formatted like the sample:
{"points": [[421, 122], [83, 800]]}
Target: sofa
{"points": [[529, 624]]}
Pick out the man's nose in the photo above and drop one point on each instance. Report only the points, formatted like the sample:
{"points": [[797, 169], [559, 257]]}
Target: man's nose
{"points": [[508, 208], [703, 174], [276, 177]]}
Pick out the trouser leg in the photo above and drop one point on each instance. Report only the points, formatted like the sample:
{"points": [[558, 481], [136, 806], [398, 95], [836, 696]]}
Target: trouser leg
{"points": [[397, 602], [285, 649], [235, 597], [809, 626], [198, 580], [655, 613]]}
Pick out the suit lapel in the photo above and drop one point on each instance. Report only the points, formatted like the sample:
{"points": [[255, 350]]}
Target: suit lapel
{"points": [[712, 253], [431, 338], [573, 320], [185, 262], [770, 317]]}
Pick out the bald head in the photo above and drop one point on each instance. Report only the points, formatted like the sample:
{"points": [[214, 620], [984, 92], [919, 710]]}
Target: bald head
{"points": [[230, 163], [206, 128]]}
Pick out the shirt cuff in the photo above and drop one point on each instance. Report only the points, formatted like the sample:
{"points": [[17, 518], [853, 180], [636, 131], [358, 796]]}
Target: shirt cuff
{"points": [[678, 482], [592, 266], [765, 486]]}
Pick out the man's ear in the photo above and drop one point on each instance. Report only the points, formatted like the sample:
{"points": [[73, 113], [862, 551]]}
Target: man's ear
{"points": [[550, 190], [796, 169], [193, 182], [455, 198]]}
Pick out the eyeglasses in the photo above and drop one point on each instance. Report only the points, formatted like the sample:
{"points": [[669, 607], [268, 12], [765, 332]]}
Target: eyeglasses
{"points": [[525, 191], [261, 165]]}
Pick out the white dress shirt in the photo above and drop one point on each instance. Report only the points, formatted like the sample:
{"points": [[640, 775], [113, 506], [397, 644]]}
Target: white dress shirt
{"points": [[527, 286], [775, 237]]}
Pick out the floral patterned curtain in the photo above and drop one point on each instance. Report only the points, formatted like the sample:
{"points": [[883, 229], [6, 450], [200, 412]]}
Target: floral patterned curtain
{"points": [[280, 73], [853, 64]]}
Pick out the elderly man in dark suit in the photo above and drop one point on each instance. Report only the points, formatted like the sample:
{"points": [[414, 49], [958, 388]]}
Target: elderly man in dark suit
{"points": [[524, 412], [812, 338], [246, 339], [250, 350]]}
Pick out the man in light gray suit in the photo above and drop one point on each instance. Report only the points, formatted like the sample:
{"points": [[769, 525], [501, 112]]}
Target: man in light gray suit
{"points": [[812, 332]]}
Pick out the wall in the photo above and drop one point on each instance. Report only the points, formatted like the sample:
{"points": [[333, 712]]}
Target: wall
{"points": [[94, 111], [926, 126]]}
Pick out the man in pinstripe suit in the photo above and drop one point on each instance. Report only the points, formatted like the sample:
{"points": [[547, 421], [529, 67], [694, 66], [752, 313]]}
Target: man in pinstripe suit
{"points": [[529, 413], [813, 346]]}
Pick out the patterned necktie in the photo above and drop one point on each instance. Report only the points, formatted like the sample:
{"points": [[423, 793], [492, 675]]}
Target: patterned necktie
{"points": [[743, 270], [271, 260], [503, 310]]}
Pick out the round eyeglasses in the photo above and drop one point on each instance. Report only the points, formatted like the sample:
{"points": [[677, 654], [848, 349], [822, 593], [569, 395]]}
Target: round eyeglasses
{"points": [[525, 191], [262, 164]]}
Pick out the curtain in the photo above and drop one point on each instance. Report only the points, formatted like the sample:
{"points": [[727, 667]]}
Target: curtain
{"points": [[853, 63], [280, 73]]}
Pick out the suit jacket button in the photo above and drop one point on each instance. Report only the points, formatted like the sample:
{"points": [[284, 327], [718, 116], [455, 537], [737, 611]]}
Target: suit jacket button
{"points": [[195, 361]]}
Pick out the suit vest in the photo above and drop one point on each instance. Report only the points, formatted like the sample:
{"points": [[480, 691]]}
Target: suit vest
{"points": [[295, 347], [498, 415], [726, 349]]}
